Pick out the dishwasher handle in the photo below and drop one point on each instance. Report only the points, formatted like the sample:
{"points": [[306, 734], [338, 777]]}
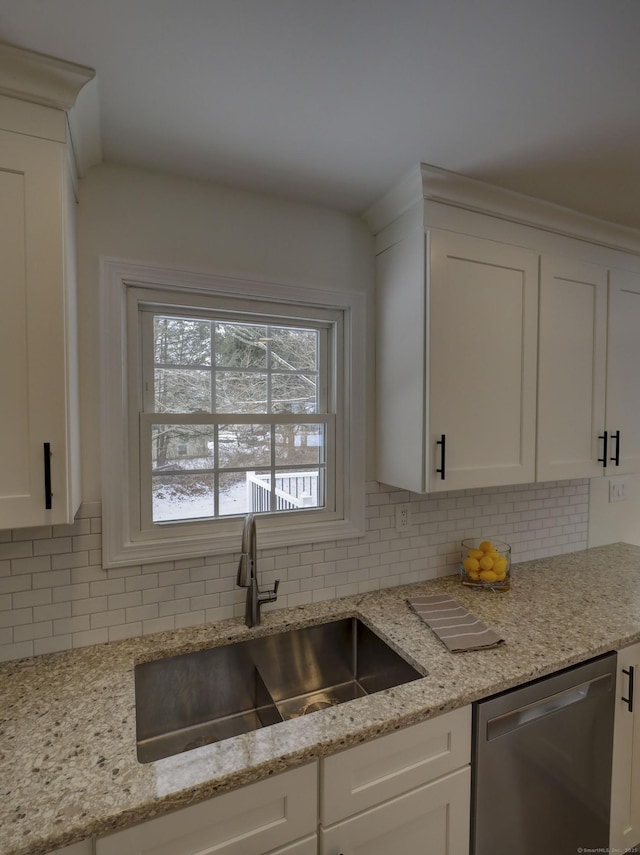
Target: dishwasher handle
{"points": [[515, 719]]}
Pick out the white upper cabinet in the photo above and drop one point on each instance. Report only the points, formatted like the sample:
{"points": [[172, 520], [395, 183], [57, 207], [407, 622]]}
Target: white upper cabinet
{"points": [[34, 448], [456, 368], [39, 481], [588, 371], [507, 344], [483, 305], [571, 369], [623, 373]]}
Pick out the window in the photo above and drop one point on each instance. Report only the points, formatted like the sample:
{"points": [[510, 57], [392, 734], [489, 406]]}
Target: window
{"points": [[237, 397], [235, 415]]}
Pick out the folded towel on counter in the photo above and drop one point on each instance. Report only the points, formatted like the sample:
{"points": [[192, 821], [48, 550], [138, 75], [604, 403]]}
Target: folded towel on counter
{"points": [[457, 628]]}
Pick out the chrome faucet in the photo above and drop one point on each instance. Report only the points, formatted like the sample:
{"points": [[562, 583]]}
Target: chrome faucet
{"points": [[248, 574]]}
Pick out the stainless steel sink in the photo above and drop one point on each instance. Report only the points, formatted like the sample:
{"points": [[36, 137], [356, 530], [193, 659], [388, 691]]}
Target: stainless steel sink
{"points": [[187, 701]]}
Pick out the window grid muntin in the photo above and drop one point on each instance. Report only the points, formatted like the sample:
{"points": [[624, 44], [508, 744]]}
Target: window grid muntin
{"points": [[326, 477], [320, 372], [325, 465]]}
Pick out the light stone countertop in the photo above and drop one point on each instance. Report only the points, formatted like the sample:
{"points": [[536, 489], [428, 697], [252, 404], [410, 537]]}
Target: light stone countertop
{"points": [[68, 766]]}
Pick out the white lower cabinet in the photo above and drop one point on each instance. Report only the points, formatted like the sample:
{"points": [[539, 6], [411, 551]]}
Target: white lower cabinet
{"points": [[625, 781], [431, 820], [277, 816], [407, 793]]}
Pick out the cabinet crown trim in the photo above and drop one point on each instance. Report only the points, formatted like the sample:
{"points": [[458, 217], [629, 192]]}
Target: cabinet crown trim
{"points": [[427, 183], [39, 78]]}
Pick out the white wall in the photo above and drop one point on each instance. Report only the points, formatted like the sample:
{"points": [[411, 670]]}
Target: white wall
{"points": [[54, 592], [610, 522], [160, 219]]}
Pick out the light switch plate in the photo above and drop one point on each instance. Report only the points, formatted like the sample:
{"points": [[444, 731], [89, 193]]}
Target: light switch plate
{"points": [[617, 489]]}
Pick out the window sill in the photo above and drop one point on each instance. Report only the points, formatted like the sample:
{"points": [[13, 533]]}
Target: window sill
{"points": [[196, 546]]}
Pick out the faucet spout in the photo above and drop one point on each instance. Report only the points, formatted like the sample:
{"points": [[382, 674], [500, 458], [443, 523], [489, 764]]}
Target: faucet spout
{"points": [[246, 567], [248, 574]]}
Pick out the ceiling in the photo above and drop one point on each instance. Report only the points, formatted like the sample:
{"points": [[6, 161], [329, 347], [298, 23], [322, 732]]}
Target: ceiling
{"points": [[332, 101]]}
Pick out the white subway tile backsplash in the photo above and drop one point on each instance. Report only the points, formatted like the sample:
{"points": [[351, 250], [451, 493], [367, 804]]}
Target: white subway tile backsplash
{"points": [[71, 625], [50, 579], [90, 636], [21, 549], [124, 601], [29, 631], [125, 630], [16, 617], [25, 599], [80, 526], [16, 651], [189, 619], [69, 559], [113, 617], [54, 644], [55, 595], [52, 545], [9, 584]]}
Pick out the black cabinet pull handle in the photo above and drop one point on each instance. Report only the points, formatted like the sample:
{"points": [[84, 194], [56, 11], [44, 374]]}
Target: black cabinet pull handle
{"points": [[47, 476], [442, 442], [630, 672], [605, 441], [616, 456]]}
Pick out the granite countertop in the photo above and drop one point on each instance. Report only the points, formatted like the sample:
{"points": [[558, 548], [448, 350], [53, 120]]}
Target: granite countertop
{"points": [[68, 766]]}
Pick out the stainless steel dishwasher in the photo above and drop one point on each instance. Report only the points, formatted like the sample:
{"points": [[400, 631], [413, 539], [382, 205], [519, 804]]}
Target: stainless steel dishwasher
{"points": [[542, 764]]}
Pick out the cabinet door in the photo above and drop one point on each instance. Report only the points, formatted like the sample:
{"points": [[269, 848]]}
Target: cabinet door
{"points": [[432, 820], [623, 371], [368, 774], [483, 303], [572, 345], [33, 358], [254, 820], [625, 780]]}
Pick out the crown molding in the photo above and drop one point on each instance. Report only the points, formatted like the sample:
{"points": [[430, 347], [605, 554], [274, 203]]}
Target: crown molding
{"points": [[431, 184], [84, 128], [39, 78]]}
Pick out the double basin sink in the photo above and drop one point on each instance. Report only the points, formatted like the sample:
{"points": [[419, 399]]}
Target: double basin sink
{"points": [[195, 699]]}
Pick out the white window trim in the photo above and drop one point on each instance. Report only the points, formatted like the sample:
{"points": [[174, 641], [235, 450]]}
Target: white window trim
{"points": [[121, 547]]}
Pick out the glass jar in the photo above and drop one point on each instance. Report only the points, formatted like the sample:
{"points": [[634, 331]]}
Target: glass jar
{"points": [[485, 563]]}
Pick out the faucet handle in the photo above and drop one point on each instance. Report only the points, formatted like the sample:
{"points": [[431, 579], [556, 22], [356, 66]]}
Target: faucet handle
{"points": [[272, 595]]}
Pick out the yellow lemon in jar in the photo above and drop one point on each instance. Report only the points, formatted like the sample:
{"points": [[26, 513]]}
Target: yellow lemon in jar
{"points": [[474, 575], [500, 577], [500, 564], [486, 546], [488, 576], [471, 565], [486, 563], [475, 553]]}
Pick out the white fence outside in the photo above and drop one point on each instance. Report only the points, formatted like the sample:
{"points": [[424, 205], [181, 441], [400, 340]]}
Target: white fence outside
{"points": [[292, 490]]}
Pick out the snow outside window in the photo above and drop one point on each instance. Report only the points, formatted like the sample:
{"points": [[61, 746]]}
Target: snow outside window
{"points": [[236, 397]]}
